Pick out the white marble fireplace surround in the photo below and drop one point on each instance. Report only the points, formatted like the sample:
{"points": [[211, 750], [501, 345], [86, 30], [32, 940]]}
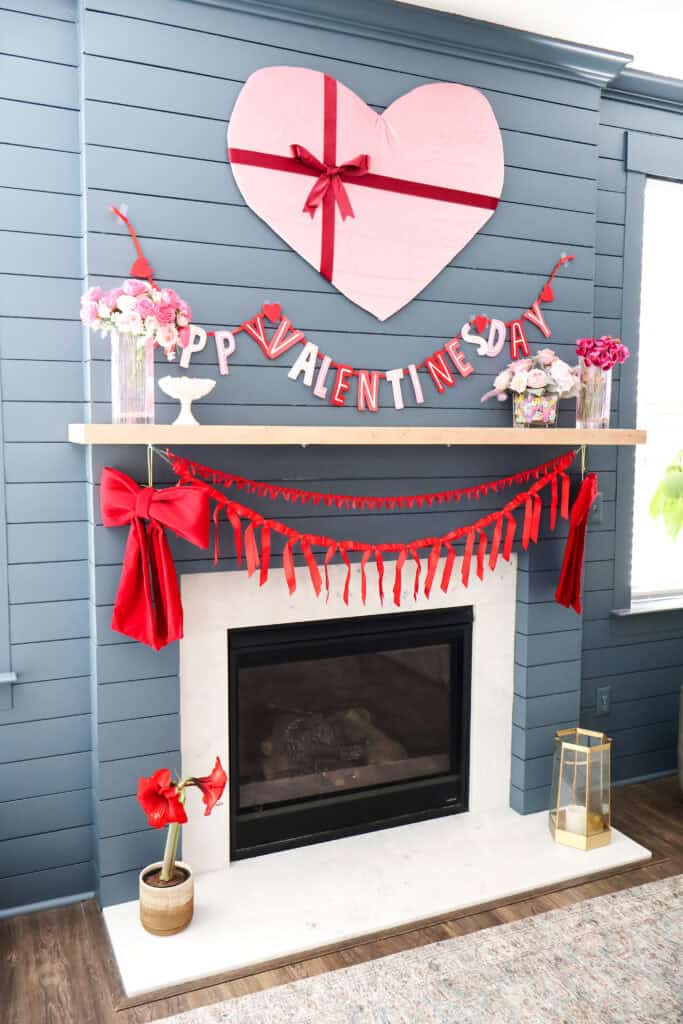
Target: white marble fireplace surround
{"points": [[216, 603], [283, 906]]}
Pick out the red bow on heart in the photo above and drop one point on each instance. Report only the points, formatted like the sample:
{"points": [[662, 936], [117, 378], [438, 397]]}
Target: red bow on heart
{"points": [[147, 606], [331, 177]]}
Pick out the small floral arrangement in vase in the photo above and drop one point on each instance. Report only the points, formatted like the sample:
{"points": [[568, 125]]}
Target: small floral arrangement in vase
{"points": [[597, 357], [138, 317], [167, 887], [536, 384]]}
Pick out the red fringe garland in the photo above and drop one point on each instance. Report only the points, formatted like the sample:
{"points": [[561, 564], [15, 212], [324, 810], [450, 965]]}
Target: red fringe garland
{"points": [[475, 537], [189, 471]]}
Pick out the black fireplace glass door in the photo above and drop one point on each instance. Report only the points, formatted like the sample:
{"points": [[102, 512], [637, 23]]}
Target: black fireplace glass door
{"points": [[327, 715]]}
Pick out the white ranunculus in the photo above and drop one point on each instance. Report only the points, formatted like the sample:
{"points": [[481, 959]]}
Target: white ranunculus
{"points": [[519, 382], [126, 303]]}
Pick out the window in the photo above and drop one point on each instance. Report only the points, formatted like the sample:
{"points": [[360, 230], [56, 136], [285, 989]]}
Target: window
{"points": [[657, 560]]}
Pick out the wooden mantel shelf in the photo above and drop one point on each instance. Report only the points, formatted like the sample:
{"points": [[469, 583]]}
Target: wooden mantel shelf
{"points": [[161, 434]]}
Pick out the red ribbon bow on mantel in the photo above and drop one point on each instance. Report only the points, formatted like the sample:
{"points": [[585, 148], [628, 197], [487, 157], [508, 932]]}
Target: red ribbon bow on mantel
{"points": [[148, 606], [331, 177]]}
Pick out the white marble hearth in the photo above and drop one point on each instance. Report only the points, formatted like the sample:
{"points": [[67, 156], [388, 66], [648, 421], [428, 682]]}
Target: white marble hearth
{"points": [[288, 904]]}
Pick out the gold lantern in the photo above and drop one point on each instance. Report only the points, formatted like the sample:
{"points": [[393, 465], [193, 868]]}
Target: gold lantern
{"points": [[580, 795]]}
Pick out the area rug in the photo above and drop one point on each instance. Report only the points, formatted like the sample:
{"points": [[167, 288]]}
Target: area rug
{"points": [[610, 960]]}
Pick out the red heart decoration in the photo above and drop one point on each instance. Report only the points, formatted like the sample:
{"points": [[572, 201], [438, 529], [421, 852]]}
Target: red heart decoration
{"points": [[141, 268], [480, 322], [272, 311], [547, 295]]}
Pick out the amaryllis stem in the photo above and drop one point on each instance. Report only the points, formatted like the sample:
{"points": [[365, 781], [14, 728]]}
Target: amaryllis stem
{"points": [[172, 837]]}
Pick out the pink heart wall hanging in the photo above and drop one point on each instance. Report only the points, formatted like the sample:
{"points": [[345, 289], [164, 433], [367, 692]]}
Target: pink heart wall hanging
{"points": [[378, 203]]}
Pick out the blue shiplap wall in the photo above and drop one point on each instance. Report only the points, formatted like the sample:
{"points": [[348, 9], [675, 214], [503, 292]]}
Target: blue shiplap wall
{"points": [[156, 86], [45, 739], [640, 658], [154, 136]]}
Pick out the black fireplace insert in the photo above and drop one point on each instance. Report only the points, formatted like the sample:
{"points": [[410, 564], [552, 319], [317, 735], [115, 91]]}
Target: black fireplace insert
{"points": [[347, 726]]}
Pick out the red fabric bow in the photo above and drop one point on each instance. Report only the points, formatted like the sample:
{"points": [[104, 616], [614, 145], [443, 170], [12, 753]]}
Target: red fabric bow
{"points": [[147, 606], [331, 177], [569, 588]]}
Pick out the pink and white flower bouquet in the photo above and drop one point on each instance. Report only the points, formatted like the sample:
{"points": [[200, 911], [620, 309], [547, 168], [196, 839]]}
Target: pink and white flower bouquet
{"points": [[536, 384], [157, 317]]}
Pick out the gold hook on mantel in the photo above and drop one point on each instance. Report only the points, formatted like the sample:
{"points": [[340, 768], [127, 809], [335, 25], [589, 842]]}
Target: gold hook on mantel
{"points": [[583, 461], [150, 465]]}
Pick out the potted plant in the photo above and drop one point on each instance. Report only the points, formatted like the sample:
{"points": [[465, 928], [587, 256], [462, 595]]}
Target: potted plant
{"points": [[167, 886], [536, 385], [138, 317]]}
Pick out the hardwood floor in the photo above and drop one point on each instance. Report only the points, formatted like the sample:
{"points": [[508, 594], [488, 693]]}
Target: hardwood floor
{"points": [[56, 966]]}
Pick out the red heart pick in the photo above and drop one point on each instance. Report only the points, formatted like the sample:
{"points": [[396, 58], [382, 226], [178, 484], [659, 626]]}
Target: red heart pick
{"points": [[272, 311], [547, 295], [141, 268], [480, 322]]}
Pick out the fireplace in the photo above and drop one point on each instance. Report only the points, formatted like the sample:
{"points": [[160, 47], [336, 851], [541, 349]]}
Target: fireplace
{"points": [[347, 725], [223, 603]]}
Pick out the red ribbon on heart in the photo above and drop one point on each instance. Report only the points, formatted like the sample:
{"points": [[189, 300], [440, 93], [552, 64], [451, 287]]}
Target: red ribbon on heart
{"points": [[329, 189], [148, 606], [331, 178]]}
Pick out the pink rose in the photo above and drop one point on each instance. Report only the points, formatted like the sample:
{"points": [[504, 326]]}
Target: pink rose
{"points": [[145, 307], [546, 356], [112, 297], [184, 309], [522, 364], [133, 287], [88, 313], [184, 336], [168, 297], [167, 336], [537, 379], [502, 381], [92, 294], [165, 314]]}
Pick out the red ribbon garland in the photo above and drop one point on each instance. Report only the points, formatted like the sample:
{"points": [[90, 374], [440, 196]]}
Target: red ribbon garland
{"points": [[474, 534], [147, 605], [329, 188], [187, 470]]}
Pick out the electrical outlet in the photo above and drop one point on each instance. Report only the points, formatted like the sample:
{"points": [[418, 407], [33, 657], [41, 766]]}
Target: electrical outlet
{"points": [[596, 510], [604, 700]]}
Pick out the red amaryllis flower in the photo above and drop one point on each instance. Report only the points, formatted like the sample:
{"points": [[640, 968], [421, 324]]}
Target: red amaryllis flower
{"points": [[212, 786], [158, 797]]}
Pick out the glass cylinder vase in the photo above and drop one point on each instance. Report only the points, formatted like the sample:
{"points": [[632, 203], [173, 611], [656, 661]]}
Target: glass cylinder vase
{"points": [[534, 410], [132, 380], [593, 399]]}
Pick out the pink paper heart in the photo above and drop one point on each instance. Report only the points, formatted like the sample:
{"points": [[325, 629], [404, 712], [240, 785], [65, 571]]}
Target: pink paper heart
{"points": [[442, 136]]}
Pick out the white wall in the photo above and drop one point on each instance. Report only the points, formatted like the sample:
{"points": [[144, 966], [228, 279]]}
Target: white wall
{"points": [[652, 31]]}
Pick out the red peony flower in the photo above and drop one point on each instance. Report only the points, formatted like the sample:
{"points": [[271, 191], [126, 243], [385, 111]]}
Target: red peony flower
{"points": [[212, 786], [158, 797]]}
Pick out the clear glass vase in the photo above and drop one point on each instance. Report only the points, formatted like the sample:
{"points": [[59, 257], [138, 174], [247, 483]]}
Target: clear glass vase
{"points": [[534, 410], [593, 399], [132, 380]]}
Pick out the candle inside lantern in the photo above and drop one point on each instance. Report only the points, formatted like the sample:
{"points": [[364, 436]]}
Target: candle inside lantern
{"points": [[575, 819]]}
